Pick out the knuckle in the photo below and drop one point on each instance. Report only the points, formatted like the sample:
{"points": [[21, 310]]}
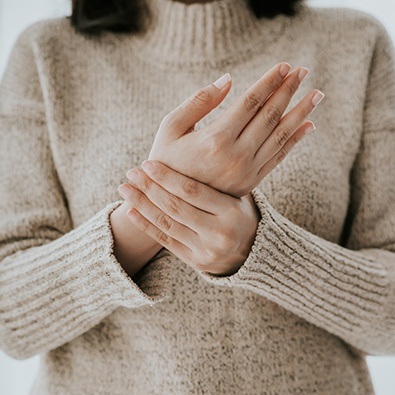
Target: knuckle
{"points": [[281, 156], [201, 96], [271, 83], [291, 88], [163, 238], [215, 143], [164, 222], [190, 188], [138, 199], [282, 135], [168, 119], [145, 225], [161, 173], [143, 182], [253, 102], [272, 116], [173, 205], [211, 258]]}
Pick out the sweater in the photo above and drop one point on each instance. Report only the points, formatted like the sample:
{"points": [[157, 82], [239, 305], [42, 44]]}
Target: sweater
{"points": [[316, 293]]}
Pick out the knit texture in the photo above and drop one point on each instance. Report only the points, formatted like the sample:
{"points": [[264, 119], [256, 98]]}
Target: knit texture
{"points": [[317, 291]]}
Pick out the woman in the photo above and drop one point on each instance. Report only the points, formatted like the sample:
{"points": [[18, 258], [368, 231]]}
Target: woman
{"points": [[277, 275]]}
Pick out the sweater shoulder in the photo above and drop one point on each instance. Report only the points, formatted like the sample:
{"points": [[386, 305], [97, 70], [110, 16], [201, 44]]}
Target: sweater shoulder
{"points": [[20, 83], [346, 20], [344, 30], [55, 41], [44, 31]]}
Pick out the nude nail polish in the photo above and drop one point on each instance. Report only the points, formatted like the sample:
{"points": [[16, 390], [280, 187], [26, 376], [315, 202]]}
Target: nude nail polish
{"points": [[284, 69], [310, 129], [317, 98], [222, 81], [303, 72]]}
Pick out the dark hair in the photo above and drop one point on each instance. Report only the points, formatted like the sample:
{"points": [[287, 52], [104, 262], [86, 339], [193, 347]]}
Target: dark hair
{"points": [[94, 16]]}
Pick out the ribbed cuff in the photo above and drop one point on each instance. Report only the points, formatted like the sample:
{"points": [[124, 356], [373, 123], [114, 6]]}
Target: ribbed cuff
{"points": [[335, 288], [52, 293]]}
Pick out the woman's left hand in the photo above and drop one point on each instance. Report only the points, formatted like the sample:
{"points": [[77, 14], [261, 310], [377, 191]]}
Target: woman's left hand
{"points": [[208, 230]]}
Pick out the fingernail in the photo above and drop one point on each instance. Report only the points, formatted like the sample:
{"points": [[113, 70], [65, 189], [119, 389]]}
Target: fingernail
{"points": [[124, 191], [310, 129], [222, 81], [303, 72], [317, 98], [147, 165], [284, 69], [132, 175]]}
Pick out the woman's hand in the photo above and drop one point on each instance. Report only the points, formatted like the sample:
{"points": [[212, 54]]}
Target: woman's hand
{"points": [[208, 230], [235, 152]]}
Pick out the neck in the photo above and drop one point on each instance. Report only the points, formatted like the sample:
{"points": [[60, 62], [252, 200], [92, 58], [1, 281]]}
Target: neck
{"points": [[213, 34]]}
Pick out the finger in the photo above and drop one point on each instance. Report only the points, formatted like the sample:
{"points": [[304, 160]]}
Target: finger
{"points": [[169, 203], [261, 126], [236, 117], [154, 215], [287, 126], [306, 128], [198, 105], [181, 251], [193, 192]]}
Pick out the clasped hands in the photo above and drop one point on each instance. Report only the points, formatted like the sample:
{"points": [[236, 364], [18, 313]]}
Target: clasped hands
{"points": [[193, 194]]}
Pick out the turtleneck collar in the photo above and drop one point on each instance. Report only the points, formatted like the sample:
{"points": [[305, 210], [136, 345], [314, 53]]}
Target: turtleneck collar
{"points": [[213, 34]]}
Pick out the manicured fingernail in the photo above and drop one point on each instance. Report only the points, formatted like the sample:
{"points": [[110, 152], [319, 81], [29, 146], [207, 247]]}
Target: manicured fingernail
{"points": [[148, 166], [124, 191], [303, 72], [284, 69], [310, 129], [317, 98], [222, 81], [132, 175]]}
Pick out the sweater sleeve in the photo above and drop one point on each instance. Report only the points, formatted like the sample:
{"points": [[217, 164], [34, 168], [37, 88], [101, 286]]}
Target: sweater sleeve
{"points": [[348, 289], [56, 281]]}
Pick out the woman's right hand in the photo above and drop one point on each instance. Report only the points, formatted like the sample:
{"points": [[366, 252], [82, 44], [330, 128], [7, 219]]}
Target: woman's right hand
{"points": [[236, 151]]}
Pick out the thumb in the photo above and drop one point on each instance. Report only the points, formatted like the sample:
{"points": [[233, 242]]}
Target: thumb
{"points": [[197, 106]]}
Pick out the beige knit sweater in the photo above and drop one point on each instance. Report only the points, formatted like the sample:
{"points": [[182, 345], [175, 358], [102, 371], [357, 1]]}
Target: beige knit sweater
{"points": [[317, 291]]}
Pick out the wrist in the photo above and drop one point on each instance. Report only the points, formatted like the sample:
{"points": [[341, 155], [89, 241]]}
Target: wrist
{"points": [[132, 247]]}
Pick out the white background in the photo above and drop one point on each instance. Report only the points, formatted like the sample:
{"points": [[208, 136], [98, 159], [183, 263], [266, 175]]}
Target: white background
{"points": [[16, 377]]}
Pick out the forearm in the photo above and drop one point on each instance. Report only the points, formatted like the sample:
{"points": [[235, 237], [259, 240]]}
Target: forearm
{"points": [[132, 247], [74, 280]]}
